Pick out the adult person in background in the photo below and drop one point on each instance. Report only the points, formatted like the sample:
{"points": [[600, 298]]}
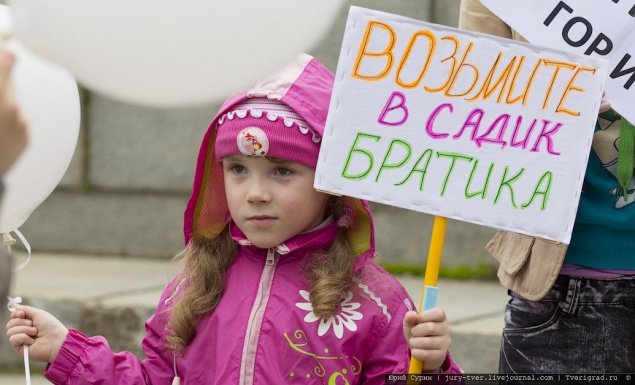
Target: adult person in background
{"points": [[13, 139], [571, 307]]}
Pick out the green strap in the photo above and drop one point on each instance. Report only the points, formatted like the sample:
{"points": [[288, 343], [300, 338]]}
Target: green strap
{"points": [[625, 155], [625, 150]]}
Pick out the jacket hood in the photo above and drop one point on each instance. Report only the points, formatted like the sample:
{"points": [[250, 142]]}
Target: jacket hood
{"points": [[305, 85]]}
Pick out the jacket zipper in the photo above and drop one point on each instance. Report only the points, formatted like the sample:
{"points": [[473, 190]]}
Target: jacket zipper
{"points": [[254, 324]]}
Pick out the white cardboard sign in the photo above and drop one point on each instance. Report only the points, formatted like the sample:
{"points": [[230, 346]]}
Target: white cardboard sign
{"points": [[461, 125], [603, 28]]}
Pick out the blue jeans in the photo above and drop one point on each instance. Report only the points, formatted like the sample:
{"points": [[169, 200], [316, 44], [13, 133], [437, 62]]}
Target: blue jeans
{"points": [[581, 326]]}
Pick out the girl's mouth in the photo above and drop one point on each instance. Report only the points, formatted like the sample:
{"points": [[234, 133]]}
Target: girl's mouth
{"points": [[261, 220]]}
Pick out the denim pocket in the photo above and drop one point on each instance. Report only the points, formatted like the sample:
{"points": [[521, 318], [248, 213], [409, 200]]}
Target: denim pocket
{"points": [[523, 315], [528, 327]]}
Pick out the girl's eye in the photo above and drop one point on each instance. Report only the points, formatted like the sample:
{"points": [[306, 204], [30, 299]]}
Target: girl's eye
{"points": [[283, 171], [237, 168]]}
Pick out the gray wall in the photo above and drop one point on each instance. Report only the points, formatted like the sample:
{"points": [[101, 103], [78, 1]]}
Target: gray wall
{"points": [[131, 175]]}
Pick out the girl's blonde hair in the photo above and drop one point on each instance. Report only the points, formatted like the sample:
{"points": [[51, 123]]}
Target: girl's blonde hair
{"points": [[329, 276]]}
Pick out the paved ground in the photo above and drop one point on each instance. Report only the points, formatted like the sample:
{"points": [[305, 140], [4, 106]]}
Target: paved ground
{"points": [[112, 296]]}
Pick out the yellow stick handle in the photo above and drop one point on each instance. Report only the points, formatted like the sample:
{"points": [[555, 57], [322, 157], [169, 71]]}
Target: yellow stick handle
{"points": [[432, 273]]}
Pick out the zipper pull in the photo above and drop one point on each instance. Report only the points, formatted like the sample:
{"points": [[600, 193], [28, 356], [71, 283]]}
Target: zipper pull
{"points": [[270, 257]]}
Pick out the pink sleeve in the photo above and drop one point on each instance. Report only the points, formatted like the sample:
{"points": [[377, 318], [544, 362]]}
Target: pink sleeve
{"points": [[452, 367], [452, 375], [390, 353], [86, 360]]}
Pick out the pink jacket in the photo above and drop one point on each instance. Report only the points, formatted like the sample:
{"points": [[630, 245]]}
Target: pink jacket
{"points": [[263, 330]]}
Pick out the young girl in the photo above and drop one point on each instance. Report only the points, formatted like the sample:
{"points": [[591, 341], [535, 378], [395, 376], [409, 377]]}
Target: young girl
{"points": [[571, 306], [279, 283]]}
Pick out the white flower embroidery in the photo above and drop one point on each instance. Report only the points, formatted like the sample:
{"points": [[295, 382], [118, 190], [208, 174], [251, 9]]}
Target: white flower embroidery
{"points": [[346, 317]]}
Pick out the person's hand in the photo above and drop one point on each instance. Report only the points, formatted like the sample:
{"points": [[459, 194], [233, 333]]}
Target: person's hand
{"points": [[428, 335], [13, 129], [43, 333]]}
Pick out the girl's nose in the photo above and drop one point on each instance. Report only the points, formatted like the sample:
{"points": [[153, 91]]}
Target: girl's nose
{"points": [[258, 192]]}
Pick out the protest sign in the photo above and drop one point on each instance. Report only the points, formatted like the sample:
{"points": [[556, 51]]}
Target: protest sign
{"points": [[460, 125], [597, 28]]}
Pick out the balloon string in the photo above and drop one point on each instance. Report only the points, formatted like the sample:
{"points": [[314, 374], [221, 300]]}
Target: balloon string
{"points": [[27, 370], [28, 249], [9, 241]]}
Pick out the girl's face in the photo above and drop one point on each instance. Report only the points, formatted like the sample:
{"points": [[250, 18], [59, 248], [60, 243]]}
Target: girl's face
{"points": [[271, 200]]}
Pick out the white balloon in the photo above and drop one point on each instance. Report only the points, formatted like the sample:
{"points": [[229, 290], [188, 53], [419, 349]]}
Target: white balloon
{"points": [[169, 53], [49, 100]]}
